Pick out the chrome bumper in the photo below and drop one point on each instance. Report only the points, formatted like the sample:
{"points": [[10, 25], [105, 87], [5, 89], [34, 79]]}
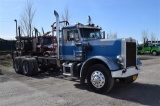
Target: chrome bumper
{"points": [[126, 72]]}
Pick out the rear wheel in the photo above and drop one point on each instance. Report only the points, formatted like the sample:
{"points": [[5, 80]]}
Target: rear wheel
{"points": [[28, 67], [35, 66], [17, 64], [99, 78]]}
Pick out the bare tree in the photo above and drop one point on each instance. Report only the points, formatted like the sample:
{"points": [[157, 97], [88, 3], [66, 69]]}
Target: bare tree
{"points": [[115, 35], [65, 15], [112, 35], [153, 37], [144, 35], [26, 19]]}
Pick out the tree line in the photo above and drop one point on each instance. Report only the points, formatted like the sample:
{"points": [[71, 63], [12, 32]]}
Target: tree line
{"points": [[146, 34]]}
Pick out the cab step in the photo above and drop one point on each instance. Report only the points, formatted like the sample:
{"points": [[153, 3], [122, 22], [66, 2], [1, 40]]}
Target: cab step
{"points": [[68, 69]]}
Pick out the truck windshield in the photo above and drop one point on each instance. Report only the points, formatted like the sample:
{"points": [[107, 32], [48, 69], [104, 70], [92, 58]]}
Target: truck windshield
{"points": [[90, 33], [47, 40]]}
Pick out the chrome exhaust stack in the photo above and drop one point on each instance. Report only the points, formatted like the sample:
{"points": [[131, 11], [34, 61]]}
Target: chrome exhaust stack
{"points": [[89, 20], [57, 32], [16, 28]]}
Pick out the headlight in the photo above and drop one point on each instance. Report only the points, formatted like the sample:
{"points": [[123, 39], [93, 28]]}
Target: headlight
{"points": [[120, 58]]}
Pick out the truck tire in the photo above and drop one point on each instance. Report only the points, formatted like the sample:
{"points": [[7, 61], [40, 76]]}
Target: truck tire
{"points": [[99, 78], [128, 80], [27, 67], [17, 65], [154, 53], [35, 66]]}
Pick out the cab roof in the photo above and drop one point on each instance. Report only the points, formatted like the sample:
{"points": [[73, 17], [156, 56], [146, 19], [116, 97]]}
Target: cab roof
{"points": [[79, 25]]}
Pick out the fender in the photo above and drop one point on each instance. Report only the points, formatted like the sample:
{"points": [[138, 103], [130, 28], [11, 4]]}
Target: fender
{"points": [[109, 62]]}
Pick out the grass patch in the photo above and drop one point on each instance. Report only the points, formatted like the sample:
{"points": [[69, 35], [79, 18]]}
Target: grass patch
{"points": [[5, 60]]}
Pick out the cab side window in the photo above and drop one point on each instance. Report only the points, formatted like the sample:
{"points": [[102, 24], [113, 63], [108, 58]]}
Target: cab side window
{"points": [[72, 35]]}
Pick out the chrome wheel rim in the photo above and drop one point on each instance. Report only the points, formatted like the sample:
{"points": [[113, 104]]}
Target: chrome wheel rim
{"points": [[97, 79], [25, 67], [154, 53]]}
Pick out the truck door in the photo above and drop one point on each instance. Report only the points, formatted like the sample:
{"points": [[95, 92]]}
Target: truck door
{"points": [[147, 48], [71, 46]]}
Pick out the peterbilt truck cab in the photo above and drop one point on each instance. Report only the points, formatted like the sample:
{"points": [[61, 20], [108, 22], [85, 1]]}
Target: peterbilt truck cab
{"points": [[86, 54]]}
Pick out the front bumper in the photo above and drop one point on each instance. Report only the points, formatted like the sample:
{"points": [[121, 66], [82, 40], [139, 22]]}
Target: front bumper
{"points": [[123, 73]]}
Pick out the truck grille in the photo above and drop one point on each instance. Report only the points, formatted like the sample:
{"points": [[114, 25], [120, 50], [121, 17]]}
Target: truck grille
{"points": [[130, 54]]}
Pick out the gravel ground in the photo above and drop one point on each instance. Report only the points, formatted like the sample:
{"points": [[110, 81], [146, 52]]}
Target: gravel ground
{"points": [[52, 89]]}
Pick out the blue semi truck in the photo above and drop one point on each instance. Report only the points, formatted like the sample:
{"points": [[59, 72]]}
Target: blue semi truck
{"points": [[83, 53]]}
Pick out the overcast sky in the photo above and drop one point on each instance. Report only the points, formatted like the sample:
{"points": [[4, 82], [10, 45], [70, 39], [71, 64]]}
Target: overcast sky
{"points": [[126, 17]]}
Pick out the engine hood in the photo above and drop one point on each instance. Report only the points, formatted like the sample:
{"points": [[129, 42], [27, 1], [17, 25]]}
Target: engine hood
{"points": [[104, 47]]}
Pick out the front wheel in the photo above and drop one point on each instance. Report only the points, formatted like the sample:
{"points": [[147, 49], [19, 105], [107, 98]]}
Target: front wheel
{"points": [[154, 53], [99, 78]]}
